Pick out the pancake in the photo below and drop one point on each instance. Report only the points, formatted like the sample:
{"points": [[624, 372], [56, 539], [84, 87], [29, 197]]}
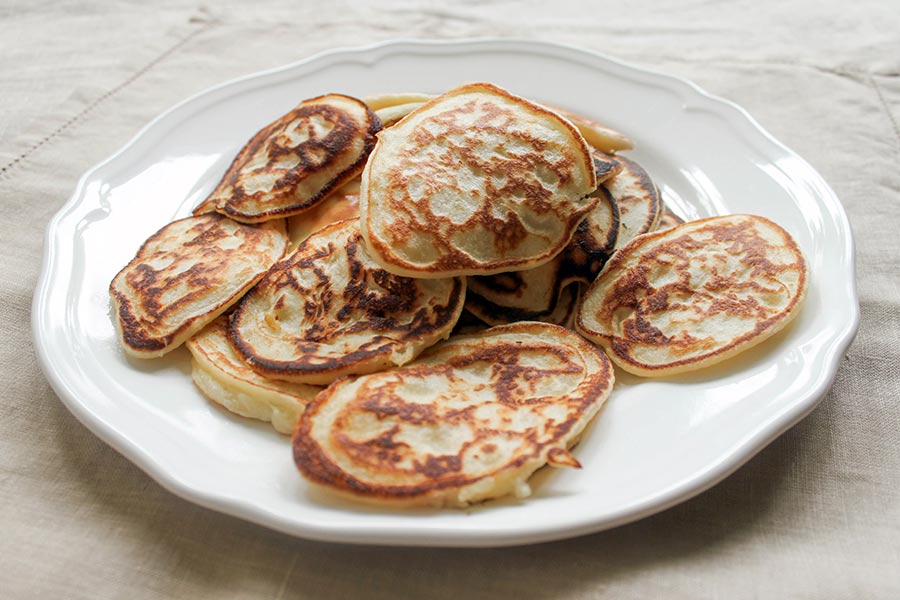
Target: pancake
{"points": [[391, 114], [637, 199], [557, 307], [693, 295], [224, 377], [668, 218], [474, 182], [467, 324], [597, 135], [380, 101], [327, 310], [538, 294], [206, 206], [605, 166], [471, 419], [392, 107], [293, 163], [341, 204], [530, 295], [594, 241], [566, 306], [185, 275]]}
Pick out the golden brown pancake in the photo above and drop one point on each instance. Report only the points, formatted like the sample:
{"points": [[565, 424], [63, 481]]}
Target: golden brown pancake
{"points": [[328, 310], [637, 200], [341, 204], [693, 295], [476, 181], [224, 377], [471, 419], [185, 275], [292, 164]]}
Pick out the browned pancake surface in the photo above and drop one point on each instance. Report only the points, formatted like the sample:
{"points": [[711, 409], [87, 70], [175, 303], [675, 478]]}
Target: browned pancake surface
{"points": [[476, 181], [185, 275], [695, 294], [637, 199], [471, 419], [293, 163], [328, 310], [606, 166], [594, 241]]}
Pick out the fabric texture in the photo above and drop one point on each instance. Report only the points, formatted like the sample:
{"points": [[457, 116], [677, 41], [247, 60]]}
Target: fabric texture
{"points": [[814, 515]]}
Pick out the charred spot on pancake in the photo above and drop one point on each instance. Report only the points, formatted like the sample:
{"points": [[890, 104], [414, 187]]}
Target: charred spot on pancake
{"points": [[594, 241]]}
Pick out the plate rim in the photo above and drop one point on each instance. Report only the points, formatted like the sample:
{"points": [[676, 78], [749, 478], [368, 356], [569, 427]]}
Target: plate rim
{"points": [[686, 489]]}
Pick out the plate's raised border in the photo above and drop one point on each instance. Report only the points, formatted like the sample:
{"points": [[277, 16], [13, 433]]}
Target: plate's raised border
{"points": [[64, 381]]}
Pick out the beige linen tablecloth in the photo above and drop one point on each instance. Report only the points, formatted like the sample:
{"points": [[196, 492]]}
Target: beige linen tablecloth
{"points": [[815, 515]]}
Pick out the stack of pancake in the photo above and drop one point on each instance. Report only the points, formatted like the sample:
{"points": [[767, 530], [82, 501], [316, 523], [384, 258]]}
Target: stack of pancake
{"points": [[423, 290]]}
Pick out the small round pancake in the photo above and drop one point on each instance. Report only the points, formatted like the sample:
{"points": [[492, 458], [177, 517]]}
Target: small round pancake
{"points": [[696, 294], [637, 199], [328, 310], [224, 377], [341, 204], [293, 163], [185, 275], [474, 182], [471, 419]]}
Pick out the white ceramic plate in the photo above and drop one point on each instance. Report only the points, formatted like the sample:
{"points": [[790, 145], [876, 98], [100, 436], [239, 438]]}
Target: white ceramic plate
{"points": [[655, 444]]}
